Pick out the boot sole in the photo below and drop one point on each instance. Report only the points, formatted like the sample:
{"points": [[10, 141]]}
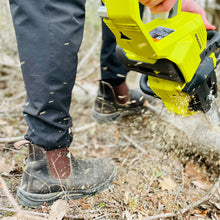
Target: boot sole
{"points": [[35, 200], [107, 118]]}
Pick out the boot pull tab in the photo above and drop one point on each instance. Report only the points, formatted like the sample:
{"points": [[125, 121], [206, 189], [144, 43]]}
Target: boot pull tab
{"points": [[19, 144]]}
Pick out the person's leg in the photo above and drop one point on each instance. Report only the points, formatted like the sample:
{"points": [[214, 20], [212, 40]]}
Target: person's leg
{"points": [[49, 34], [112, 71], [114, 99]]}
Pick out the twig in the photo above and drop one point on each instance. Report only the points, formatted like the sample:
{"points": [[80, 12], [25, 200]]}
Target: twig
{"points": [[9, 109], [14, 150], [23, 214], [40, 214], [9, 196], [85, 127], [204, 199], [16, 66], [20, 95], [4, 78], [81, 87], [83, 76], [150, 184], [106, 215], [76, 130], [180, 215], [136, 145], [182, 184], [27, 212], [12, 139], [167, 215], [20, 213], [184, 210]]}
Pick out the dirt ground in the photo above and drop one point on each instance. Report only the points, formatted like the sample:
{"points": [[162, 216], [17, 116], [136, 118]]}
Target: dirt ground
{"points": [[162, 171]]}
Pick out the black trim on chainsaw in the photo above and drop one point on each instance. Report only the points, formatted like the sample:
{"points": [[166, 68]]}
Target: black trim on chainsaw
{"points": [[163, 68]]}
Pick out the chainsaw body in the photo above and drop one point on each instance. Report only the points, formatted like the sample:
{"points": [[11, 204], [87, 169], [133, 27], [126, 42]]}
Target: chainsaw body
{"points": [[176, 56]]}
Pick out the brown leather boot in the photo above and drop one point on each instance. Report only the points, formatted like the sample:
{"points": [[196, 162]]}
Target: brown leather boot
{"points": [[56, 174], [113, 103]]}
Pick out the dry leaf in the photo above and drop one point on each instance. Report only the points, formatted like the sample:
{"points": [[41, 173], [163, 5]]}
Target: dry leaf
{"points": [[58, 210], [199, 213], [197, 177], [82, 203], [166, 183], [194, 171]]}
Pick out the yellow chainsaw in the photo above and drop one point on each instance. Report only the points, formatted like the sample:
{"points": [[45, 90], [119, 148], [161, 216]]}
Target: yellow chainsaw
{"points": [[175, 54]]}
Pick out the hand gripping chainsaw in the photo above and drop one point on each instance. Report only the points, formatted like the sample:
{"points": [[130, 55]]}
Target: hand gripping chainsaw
{"points": [[176, 55]]}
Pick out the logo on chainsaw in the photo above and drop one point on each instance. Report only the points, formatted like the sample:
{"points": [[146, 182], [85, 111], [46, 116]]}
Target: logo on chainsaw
{"points": [[160, 32]]}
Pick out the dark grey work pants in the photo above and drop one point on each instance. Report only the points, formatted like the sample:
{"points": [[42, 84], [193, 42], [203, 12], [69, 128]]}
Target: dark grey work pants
{"points": [[49, 34]]}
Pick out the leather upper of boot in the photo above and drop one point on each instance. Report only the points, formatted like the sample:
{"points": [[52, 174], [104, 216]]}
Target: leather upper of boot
{"points": [[45, 173], [111, 99]]}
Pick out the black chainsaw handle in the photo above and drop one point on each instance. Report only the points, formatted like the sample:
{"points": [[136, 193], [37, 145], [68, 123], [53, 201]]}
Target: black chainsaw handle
{"points": [[144, 86], [213, 44]]}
